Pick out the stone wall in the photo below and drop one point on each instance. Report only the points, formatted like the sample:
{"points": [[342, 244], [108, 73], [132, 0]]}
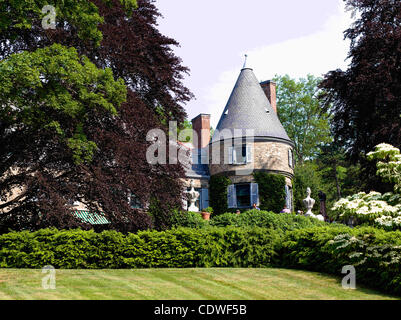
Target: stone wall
{"points": [[269, 156]]}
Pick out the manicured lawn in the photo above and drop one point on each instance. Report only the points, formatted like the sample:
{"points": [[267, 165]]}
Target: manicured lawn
{"points": [[179, 284]]}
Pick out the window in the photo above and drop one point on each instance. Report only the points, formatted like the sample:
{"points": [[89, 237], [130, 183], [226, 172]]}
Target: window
{"points": [[290, 158], [241, 154], [289, 197], [134, 202], [242, 195]]}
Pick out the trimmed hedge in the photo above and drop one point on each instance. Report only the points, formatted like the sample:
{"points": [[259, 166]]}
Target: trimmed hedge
{"points": [[188, 220], [177, 248], [264, 219], [375, 254]]}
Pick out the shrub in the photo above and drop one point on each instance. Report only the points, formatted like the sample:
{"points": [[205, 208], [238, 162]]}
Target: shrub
{"points": [[264, 219], [376, 254], [376, 209], [218, 193], [271, 191], [188, 220], [176, 248], [369, 208]]}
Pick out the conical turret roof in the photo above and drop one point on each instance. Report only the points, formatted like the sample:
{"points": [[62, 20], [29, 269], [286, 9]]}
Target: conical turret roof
{"points": [[249, 108]]}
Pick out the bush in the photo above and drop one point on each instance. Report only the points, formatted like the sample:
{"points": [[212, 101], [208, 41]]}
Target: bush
{"points": [[177, 248], [376, 254], [264, 219], [271, 191], [188, 220], [218, 193]]}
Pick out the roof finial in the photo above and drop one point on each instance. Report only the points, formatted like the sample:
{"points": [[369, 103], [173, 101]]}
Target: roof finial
{"points": [[246, 58]]}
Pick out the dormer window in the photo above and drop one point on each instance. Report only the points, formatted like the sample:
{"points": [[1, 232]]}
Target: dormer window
{"points": [[241, 154]]}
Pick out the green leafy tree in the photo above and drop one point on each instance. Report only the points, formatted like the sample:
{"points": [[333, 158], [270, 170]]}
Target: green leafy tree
{"points": [[301, 115], [53, 88], [76, 104], [307, 175]]}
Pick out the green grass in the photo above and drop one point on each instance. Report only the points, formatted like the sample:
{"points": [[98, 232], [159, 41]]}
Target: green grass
{"points": [[179, 284]]}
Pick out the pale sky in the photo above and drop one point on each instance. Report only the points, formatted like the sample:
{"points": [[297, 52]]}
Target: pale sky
{"points": [[280, 37]]}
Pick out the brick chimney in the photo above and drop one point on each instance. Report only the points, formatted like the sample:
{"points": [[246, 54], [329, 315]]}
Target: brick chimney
{"points": [[201, 125], [269, 87]]}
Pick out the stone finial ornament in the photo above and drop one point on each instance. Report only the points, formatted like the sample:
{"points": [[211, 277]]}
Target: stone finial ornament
{"points": [[193, 196], [309, 203]]}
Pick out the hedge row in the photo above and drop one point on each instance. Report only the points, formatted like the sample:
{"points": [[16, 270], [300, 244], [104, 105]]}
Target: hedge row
{"points": [[265, 219], [251, 218], [375, 253], [177, 248]]}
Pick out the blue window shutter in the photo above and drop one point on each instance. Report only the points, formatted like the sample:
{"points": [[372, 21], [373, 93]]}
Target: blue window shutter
{"points": [[249, 155], [231, 196], [254, 193], [204, 198]]}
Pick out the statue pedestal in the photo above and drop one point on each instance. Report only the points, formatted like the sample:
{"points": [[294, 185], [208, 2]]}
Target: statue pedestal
{"points": [[193, 208]]}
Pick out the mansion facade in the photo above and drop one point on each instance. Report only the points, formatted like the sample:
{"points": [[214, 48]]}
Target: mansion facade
{"points": [[249, 138]]}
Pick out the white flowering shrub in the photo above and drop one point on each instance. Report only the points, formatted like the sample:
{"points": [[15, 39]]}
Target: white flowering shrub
{"points": [[368, 207], [389, 164], [383, 210]]}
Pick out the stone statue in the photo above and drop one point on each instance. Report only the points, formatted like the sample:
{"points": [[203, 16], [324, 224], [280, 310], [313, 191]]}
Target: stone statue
{"points": [[309, 203], [193, 196]]}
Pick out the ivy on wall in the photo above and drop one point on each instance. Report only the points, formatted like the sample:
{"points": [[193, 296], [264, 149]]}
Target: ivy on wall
{"points": [[271, 191], [218, 193]]}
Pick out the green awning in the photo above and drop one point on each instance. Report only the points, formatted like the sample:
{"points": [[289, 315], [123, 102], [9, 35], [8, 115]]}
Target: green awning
{"points": [[90, 217]]}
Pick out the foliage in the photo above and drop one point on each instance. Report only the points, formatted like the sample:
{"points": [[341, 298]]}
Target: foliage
{"points": [[368, 207], [177, 248], [188, 220], [389, 168], [307, 175], [365, 99], [264, 219], [374, 253], [54, 89], [301, 115], [218, 193], [208, 209], [340, 176], [51, 161], [19, 18], [375, 208], [271, 191]]}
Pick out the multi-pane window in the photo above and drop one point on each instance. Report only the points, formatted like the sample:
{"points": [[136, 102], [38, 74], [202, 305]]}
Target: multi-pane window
{"points": [[241, 154], [242, 195]]}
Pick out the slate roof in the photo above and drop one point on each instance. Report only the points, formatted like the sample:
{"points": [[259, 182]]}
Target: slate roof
{"points": [[198, 171], [249, 108]]}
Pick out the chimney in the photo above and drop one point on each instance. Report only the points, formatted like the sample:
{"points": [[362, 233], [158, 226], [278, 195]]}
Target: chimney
{"points": [[201, 125], [269, 88]]}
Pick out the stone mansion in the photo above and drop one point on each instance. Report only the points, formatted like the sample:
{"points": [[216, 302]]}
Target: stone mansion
{"points": [[257, 141]]}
